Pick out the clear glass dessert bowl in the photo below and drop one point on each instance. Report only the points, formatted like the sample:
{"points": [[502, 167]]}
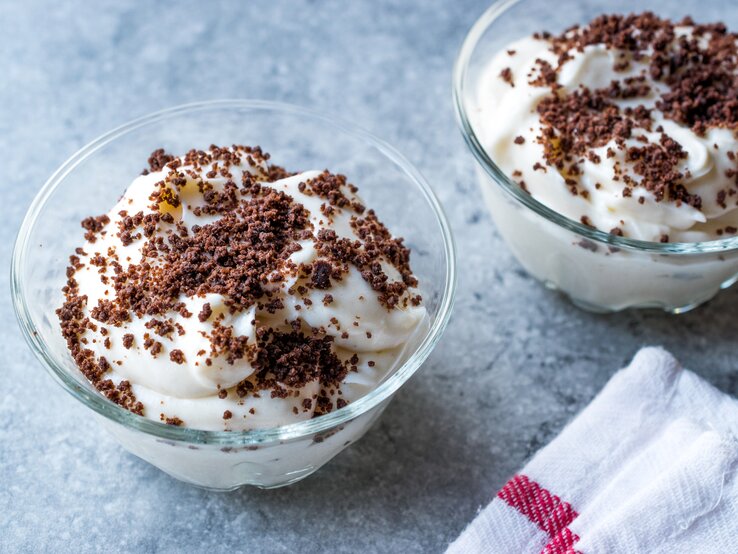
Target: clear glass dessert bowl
{"points": [[92, 180], [597, 270]]}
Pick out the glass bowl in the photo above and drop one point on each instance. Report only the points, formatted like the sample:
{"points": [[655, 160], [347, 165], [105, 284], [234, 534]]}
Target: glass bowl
{"points": [[91, 181], [598, 271]]}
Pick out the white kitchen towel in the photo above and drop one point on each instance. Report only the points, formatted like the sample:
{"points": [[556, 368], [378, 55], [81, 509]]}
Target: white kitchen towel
{"points": [[650, 466]]}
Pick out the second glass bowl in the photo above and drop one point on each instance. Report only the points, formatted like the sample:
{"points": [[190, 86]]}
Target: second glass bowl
{"points": [[91, 181], [597, 270]]}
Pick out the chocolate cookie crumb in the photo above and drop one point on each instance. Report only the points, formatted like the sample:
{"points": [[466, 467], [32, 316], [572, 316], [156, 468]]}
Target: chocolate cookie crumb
{"points": [[320, 276], [158, 159], [507, 76], [177, 422], [205, 312]]}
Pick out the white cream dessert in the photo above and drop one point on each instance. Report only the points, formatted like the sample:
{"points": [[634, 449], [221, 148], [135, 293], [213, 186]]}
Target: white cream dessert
{"points": [[222, 293], [627, 124]]}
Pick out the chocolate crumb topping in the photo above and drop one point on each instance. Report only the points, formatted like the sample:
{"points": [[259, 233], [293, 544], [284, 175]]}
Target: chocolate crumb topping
{"points": [[320, 275], [331, 187], [699, 74], [177, 356], [225, 342], [205, 312], [93, 226], [171, 420], [243, 253], [507, 76], [234, 256], [156, 347], [157, 160], [377, 244], [296, 359]]}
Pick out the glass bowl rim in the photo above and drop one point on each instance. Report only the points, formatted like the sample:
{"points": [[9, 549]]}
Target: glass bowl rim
{"points": [[461, 65], [95, 401]]}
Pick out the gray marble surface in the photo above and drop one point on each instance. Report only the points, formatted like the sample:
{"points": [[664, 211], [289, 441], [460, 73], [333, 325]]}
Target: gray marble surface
{"points": [[516, 363]]}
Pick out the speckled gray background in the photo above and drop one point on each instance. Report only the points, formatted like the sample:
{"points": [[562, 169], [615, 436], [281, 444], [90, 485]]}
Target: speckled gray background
{"points": [[516, 363]]}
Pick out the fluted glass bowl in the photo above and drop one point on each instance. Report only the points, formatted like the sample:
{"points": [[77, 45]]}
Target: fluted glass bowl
{"points": [[92, 180], [598, 271]]}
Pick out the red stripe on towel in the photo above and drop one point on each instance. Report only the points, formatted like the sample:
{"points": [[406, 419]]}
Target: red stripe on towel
{"points": [[562, 543], [546, 510]]}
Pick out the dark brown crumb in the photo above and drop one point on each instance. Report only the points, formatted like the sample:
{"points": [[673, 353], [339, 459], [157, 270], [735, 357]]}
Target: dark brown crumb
{"points": [[320, 275], [157, 160], [506, 75], [93, 226], [546, 75], [205, 313], [156, 348], [296, 359], [171, 420]]}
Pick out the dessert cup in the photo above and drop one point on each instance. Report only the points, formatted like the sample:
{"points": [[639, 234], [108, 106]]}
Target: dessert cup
{"points": [[92, 180], [598, 271]]}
